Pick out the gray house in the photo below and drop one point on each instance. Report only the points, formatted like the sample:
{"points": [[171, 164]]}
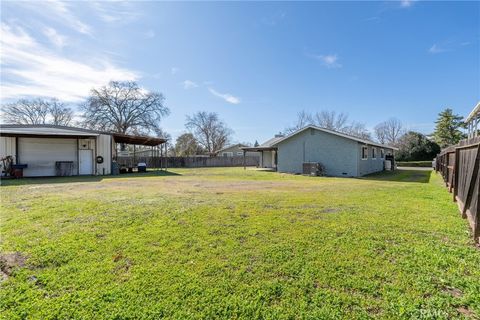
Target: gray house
{"points": [[339, 153]]}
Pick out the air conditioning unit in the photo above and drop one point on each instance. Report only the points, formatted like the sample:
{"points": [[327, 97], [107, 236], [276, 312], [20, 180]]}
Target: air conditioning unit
{"points": [[313, 169]]}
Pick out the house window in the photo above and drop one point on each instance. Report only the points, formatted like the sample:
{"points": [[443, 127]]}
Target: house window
{"points": [[374, 153], [364, 153], [239, 153], [227, 154], [382, 153]]}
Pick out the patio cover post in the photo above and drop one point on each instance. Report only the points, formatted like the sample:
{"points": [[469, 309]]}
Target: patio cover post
{"points": [[244, 163], [166, 156], [161, 157], [134, 155]]}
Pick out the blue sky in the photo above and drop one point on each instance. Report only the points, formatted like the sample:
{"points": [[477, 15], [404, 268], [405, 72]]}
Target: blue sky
{"points": [[256, 64]]}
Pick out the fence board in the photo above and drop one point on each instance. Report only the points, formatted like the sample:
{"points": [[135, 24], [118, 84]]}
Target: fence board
{"points": [[459, 166], [189, 162]]}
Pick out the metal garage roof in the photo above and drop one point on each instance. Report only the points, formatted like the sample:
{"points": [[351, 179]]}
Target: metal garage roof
{"points": [[45, 130]]}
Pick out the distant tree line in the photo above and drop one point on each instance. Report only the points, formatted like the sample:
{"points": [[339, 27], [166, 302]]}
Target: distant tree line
{"points": [[127, 108]]}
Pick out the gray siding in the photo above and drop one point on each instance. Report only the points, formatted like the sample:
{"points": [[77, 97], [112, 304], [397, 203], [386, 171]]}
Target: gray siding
{"points": [[339, 155], [371, 165]]}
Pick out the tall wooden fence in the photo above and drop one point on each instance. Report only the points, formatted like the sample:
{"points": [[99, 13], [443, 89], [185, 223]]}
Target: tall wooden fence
{"points": [[459, 166], [190, 162]]}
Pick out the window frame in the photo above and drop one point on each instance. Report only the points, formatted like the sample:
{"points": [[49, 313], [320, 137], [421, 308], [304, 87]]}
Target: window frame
{"points": [[382, 153], [374, 153], [364, 155]]}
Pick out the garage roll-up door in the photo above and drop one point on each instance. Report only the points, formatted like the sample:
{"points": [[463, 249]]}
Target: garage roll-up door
{"points": [[40, 154]]}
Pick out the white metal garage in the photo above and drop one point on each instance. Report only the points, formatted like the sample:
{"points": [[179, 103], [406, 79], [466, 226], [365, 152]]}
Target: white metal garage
{"points": [[49, 150]]}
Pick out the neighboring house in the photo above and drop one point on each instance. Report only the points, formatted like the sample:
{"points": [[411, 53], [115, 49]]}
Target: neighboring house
{"points": [[235, 151], [44, 148], [267, 151], [339, 153]]}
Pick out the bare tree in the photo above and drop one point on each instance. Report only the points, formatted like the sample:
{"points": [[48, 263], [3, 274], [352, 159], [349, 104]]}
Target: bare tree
{"points": [[380, 133], [331, 120], [389, 131], [26, 111], [303, 119], [60, 114], [38, 111], [124, 107], [209, 131], [358, 129]]}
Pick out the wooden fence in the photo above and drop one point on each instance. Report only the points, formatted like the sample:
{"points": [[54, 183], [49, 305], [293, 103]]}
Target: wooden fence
{"points": [[189, 162], [459, 166]]}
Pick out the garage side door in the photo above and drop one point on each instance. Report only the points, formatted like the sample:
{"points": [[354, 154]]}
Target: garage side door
{"points": [[40, 154]]}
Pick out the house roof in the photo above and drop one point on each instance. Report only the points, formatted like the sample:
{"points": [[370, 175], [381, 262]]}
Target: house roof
{"points": [[239, 145], [273, 143], [475, 113], [340, 134], [266, 146], [47, 130]]}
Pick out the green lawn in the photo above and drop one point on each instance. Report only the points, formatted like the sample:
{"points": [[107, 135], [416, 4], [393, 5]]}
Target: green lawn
{"points": [[235, 244], [427, 164]]}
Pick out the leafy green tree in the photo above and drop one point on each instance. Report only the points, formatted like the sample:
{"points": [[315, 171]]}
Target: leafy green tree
{"points": [[447, 129], [187, 145], [256, 144], [414, 146]]}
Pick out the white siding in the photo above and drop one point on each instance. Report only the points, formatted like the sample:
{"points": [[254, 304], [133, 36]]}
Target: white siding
{"points": [[7, 147], [268, 159], [40, 154], [104, 149]]}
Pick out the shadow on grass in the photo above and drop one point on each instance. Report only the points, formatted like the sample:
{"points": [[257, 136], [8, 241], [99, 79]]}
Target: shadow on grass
{"points": [[73, 179], [401, 175]]}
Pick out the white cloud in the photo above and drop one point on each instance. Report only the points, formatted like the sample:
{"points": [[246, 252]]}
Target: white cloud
{"points": [[189, 84], [436, 49], [58, 11], [174, 70], [115, 11], [30, 69], [54, 37], [406, 3], [149, 34], [329, 60], [225, 96]]}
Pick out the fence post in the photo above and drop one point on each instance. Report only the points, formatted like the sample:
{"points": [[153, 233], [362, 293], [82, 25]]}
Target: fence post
{"points": [[456, 167]]}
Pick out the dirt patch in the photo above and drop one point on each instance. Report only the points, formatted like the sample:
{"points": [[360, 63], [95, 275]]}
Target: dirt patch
{"points": [[467, 313], [9, 262], [330, 210], [454, 292]]}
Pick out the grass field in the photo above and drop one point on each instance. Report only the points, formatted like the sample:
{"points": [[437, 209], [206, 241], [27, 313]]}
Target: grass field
{"points": [[426, 164], [235, 244]]}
